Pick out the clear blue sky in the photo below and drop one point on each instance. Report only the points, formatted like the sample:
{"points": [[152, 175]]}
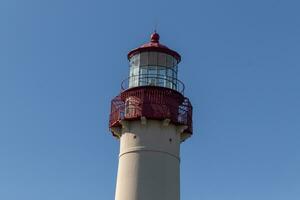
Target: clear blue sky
{"points": [[62, 61]]}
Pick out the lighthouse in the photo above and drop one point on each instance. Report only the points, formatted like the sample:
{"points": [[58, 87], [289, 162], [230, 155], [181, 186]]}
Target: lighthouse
{"points": [[150, 117]]}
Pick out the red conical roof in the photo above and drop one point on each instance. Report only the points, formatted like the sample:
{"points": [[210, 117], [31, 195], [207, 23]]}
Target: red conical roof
{"points": [[154, 45]]}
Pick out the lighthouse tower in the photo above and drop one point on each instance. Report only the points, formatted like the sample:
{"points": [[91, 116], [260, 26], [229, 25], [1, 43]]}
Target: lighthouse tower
{"points": [[151, 117]]}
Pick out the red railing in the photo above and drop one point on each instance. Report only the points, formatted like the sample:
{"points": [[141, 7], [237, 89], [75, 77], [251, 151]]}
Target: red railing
{"points": [[153, 103]]}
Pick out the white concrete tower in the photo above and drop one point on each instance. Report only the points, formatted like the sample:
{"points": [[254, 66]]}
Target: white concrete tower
{"points": [[151, 117]]}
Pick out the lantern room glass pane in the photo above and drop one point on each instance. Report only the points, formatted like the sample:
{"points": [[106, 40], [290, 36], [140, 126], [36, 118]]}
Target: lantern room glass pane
{"points": [[170, 73], [162, 59], [162, 72], [152, 59], [144, 59], [152, 71], [135, 60], [170, 61], [143, 70], [136, 71]]}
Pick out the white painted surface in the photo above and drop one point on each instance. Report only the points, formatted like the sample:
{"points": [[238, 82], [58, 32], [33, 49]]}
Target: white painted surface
{"points": [[149, 161]]}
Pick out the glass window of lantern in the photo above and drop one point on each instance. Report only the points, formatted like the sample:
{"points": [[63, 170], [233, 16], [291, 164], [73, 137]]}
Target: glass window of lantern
{"points": [[135, 70], [161, 72], [131, 62], [131, 71], [133, 81], [169, 72], [144, 59], [152, 71], [136, 81], [161, 82], [174, 74], [135, 60], [134, 64], [152, 75], [162, 59], [152, 58], [143, 71], [143, 76], [170, 61]]}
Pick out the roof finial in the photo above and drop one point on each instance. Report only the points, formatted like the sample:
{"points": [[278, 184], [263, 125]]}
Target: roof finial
{"points": [[155, 37]]}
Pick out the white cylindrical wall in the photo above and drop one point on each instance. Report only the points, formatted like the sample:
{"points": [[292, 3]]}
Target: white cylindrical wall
{"points": [[149, 162]]}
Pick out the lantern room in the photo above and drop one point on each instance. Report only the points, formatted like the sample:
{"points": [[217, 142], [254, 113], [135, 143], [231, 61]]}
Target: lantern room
{"points": [[154, 64]]}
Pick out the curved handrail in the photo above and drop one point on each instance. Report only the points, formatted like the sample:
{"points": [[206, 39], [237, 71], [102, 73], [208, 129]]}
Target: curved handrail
{"points": [[143, 80]]}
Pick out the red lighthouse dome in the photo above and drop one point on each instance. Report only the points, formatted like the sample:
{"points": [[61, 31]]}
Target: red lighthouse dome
{"points": [[154, 45]]}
